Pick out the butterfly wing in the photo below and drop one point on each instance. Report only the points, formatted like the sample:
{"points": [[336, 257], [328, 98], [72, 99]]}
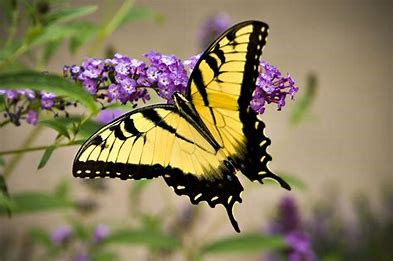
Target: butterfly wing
{"points": [[221, 87], [157, 141]]}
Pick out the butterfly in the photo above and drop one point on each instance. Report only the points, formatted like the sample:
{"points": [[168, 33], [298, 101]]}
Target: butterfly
{"points": [[201, 142]]}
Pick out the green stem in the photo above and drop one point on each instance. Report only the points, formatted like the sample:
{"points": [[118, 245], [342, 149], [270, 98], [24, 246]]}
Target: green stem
{"points": [[13, 27], [8, 152], [111, 25]]}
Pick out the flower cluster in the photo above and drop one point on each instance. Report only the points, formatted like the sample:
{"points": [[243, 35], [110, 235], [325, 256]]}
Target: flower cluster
{"points": [[127, 80], [26, 103], [272, 87], [289, 224]]}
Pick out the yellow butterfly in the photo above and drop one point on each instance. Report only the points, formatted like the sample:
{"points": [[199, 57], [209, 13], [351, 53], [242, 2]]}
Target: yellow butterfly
{"points": [[199, 143]]}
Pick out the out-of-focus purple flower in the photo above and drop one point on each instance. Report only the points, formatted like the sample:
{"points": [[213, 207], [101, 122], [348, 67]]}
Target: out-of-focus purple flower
{"points": [[213, 27], [12, 95], [47, 100], [101, 232], [109, 115], [61, 235], [288, 224], [90, 85], [29, 94], [32, 117], [288, 217], [83, 256], [300, 247], [272, 87]]}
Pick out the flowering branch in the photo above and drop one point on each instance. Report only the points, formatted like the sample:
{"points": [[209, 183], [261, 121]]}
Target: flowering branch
{"points": [[126, 80]]}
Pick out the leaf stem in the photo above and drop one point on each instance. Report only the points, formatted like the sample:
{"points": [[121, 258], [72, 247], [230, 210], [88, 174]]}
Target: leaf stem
{"points": [[71, 143]]}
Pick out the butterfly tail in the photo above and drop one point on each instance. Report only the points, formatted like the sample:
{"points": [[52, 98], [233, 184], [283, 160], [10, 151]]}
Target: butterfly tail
{"points": [[232, 218], [275, 178]]}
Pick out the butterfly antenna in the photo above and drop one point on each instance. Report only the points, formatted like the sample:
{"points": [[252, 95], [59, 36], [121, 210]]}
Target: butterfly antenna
{"points": [[232, 218]]}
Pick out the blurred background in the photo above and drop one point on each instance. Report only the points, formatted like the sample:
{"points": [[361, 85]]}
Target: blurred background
{"points": [[333, 143]]}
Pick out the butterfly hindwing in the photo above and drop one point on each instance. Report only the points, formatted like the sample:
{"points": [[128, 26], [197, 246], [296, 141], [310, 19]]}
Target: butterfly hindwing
{"points": [[157, 141]]}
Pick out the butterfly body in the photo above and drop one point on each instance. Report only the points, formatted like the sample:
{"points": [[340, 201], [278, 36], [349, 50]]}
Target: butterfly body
{"points": [[200, 142]]}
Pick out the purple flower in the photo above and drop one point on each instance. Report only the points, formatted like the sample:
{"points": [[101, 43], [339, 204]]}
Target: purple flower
{"points": [[213, 27], [288, 224], [32, 117], [83, 256], [137, 67], [288, 218], [153, 56], [47, 100], [109, 115], [113, 92], [128, 86], [29, 94], [191, 62], [152, 74], [101, 232], [61, 235], [93, 68], [122, 68], [272, 87], [12, 95], [300, 247], [90, 85]]}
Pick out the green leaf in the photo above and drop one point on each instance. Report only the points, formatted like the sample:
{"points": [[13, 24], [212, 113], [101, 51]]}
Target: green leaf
{"points": [[62, 190], [7, 7], [303, 104], [2, 103], [5, 201], [86, 32], [45, 157], [3, 185], [6, 205], [28, 202], [68, 14], [40, 36], [2, 162], [140, 13], [81, 231], [87, 129], [41, 236], [105, 256], [48, 82], [149, 238], [57, 125], [50, 50], [139, 186], [244, 244]]}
